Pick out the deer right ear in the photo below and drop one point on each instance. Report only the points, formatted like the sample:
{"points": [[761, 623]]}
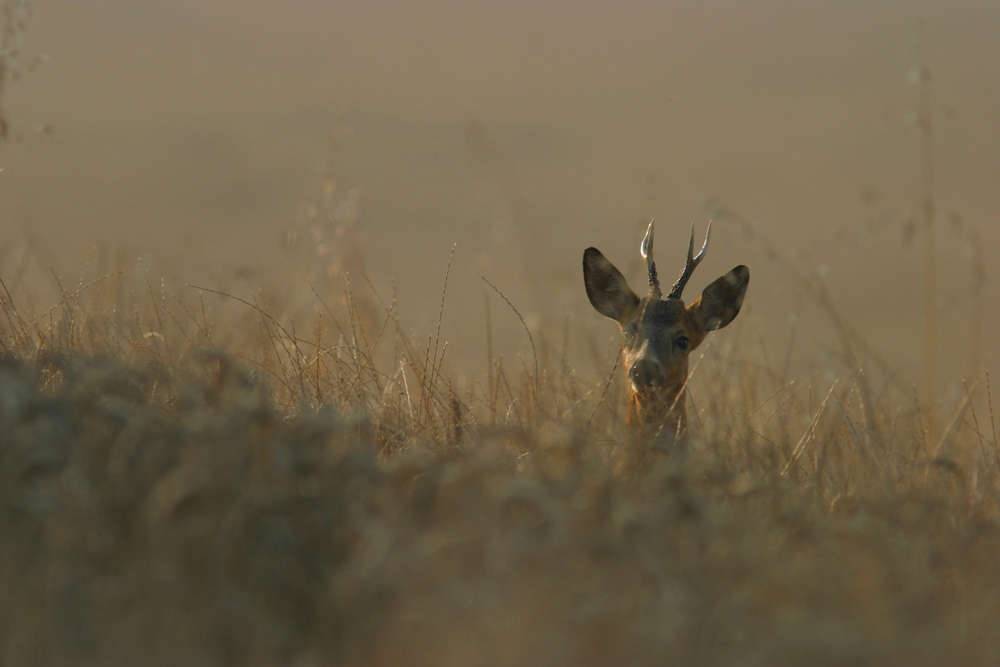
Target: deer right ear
{"points": [[607, 288], [721, 301]]}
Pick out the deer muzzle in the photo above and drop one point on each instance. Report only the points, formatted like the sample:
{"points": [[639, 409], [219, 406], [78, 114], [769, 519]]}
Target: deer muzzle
{"points": [[646, 375]]}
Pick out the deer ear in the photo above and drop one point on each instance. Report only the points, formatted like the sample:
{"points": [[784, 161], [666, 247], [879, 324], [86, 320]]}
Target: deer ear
{"points": [[607, 288], [720, 302]]}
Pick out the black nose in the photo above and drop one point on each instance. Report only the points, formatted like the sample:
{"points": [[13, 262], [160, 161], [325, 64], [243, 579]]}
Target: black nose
{"points": [[645, 374]]}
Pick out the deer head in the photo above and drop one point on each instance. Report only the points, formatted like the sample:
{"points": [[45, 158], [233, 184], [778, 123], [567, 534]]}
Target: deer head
{"points": [[659, 333]]}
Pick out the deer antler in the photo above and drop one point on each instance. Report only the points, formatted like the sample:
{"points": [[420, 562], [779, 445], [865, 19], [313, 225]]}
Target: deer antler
{"points": [[690, 265], [646, 250]]}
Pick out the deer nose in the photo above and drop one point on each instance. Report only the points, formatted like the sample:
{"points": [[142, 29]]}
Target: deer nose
{"points": [[645, 374]]}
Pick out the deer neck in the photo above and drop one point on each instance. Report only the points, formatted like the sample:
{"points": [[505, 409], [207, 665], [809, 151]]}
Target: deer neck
{"points": [[658, 415]]}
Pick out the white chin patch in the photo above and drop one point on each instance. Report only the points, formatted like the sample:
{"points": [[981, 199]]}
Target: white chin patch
{"points": [[644, 391]]}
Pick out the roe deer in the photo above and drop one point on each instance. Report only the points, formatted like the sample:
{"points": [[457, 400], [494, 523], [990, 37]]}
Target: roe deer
{"points": [[659, 334]]}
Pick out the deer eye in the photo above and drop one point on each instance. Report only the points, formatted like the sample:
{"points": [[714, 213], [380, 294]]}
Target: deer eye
{"points": [[629, 334], [683, 342]]}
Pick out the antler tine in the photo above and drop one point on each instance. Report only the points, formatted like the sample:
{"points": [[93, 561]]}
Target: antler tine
{"points": [[646, 250], [691, 264]]}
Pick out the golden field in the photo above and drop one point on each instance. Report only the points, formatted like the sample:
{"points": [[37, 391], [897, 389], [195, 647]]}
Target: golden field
{"points": [[297, 367], [209, 482]]}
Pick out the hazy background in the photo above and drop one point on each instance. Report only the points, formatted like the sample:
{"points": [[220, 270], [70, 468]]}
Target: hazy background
{"points": [[196, 134]]}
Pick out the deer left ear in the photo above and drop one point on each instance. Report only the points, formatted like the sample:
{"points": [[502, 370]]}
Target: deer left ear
{"points": [[720, 302]]}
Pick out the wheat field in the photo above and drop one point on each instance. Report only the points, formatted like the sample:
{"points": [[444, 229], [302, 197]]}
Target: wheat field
{"points": [[267, 399], [202, 478]]}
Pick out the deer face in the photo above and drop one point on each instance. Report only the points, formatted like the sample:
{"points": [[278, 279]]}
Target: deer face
{"points": [[658, 334], [656, 341]]}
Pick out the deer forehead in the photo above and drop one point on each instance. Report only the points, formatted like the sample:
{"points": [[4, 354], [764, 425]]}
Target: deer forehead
{"points": [[655, 318]]}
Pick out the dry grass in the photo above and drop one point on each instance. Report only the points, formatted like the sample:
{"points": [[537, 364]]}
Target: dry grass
{"points": [[193, 477]]}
